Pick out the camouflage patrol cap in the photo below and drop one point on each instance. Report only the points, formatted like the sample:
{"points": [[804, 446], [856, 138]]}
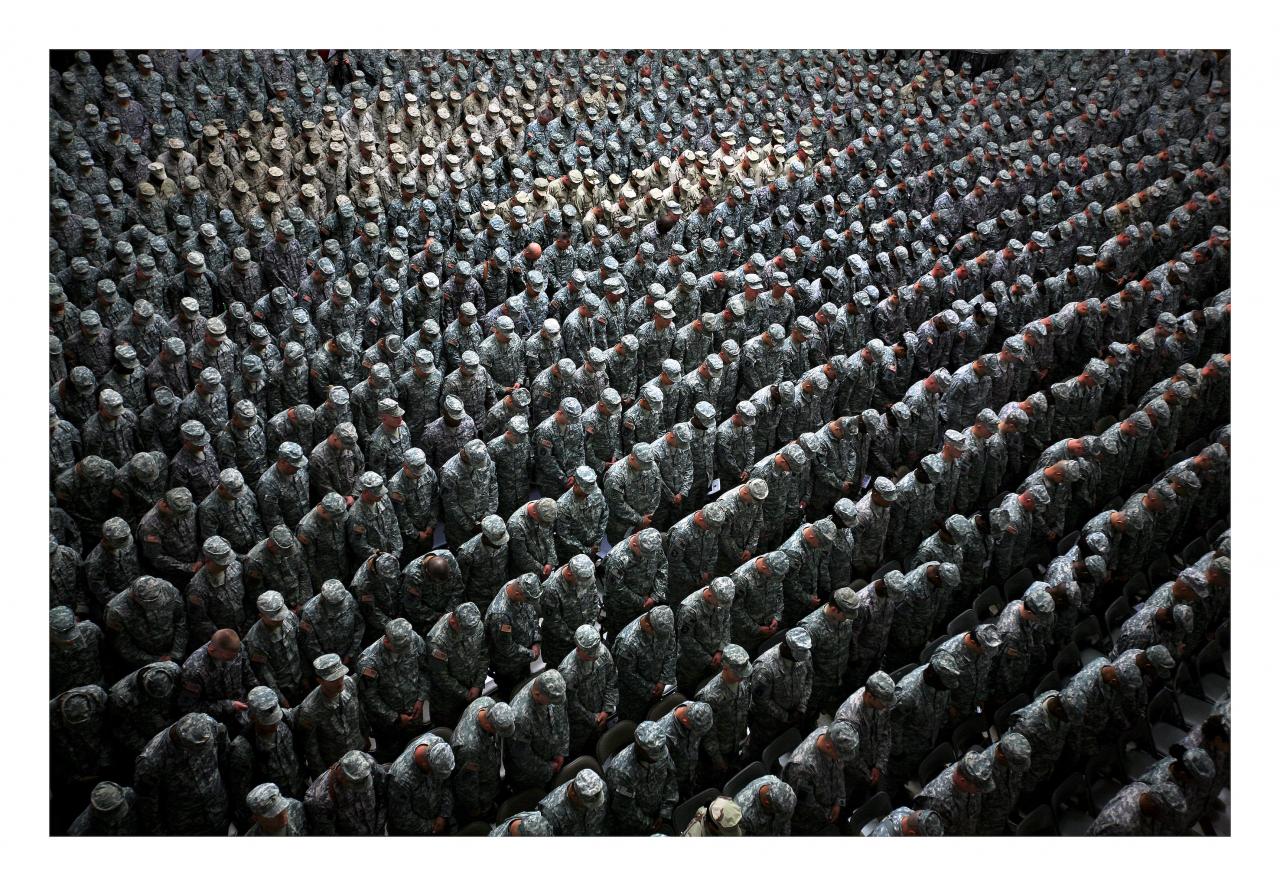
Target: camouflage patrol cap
{"points": [[329, 667], [1038, 599], [794, 456], [758, 488], [844, 736], [722, 587], [194, 730], [179, 500], [975, 766], [62, 622], [400, 632], [108, 798], [946, 667], [1016, 750], [799, 642], [264, 706], [650, 737], [700, 716], [662, 619], [988, 637], [653, 394], [713, 512], [551, 684], [1160, 659], [581, 567], [231, 479], [355, 766], [116, 530], [880, 687], [682, 435], [265, 800], [649, 540], [282, 537], [778, 562]]}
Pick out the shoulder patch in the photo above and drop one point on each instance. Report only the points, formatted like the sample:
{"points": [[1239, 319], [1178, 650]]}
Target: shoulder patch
{"points": [[369, 672], [504, 628], [440, 655]]}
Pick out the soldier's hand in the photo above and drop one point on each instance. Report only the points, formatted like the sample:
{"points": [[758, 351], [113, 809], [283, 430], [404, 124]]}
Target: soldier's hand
{"points": [[438, 826], [195, 567], [557, 762], [536, 649], [814, 600], [167, 657], [835, 811], [678, 499], [351, 499], [717, 658], [473, 693], [743, 475], [657, 689], [744, 556], [646, 521], [546, 570], [426, 534], [601, 719], [648, 602], [875, 775], [238, 706], [406, 719]]}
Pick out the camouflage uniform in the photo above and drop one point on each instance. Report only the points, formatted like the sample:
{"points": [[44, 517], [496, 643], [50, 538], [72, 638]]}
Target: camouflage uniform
{"points": [[817, 778], [337, 806], [534, 753], [477, 754], [147, 623], [423, 597], [457, 661], [644, 660], [643, 790], [781, 681], [330, 727], [416, 798], [179, 781]]}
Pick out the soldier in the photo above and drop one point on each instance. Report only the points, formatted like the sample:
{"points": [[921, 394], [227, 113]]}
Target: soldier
{"points": [[632, 490], [1025, 628], [956, 794], [645, 654], [643, 790], [538, 748], [830, 632], [702, 625], [336, 463], [178, 779], [692, 548], [1139, 810], [767, 805], [141, 704], [429, 586], [1045, 724], [272, 647], [276, 562], [781, 682], [511, 626], [372, 526], [273, 814], [735, 446], [674, 461], [414, 494], [532, 538], [75, 652], [329, 622], [457, 660], [349, 799], [284, 489], [728, 695], [976, 652], [111, 566], [330, 719], [264, 752], [477, 751], [577, 808], [147, 622], [322, 535], [1008, 758], [419, 798], [388, 442], [482, 561], [582, 516], [907, 822], [757, 610], [815, 773], [927, 592], [469, 491], [112, 812], [684, 727], [920, 704]]}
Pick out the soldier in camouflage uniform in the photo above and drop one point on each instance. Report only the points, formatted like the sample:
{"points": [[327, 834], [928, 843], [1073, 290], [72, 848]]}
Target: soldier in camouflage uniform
{"points": [[645, 652], [920, 704], [264, 752], [815, 773], [414, 495], [511, 626], [684, 727], [1009, 758], [591, 688], [273, 814], [532, 538], [329, 622], [767, 804], [1140, 810], [112, 812], [1046, 725], [457, 662], [702, 625], [728, 694], [632, 489], [581, 517], [956, 794], [178, 779], [430, 586], [635, 579], [330, 719], [272, 647], [147, 622], [75, 652], [643, 789], [744, 517], [284, 489], [482, 561], [322, 535], [537, 750], [276, 563], [512, 455], [577, 808], [692, 549], [477, 751], [349, 799], [231, 511], [371, 522], [169, 537], [419, 798], [830, 632], [468, 491], [781, 681]]}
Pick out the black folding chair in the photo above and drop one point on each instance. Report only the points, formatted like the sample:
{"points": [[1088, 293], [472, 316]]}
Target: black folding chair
{"points": [[525, 801], [989, 604], [874, 809], [1038, 823], [615, 738], [885, 569], [571, 770], [970, 733], [962, 623], [1000, 719], [1066, 803], [668, 704], [684, 813], [749, 774], [778, 748], [1015, 584], [934, 762]]}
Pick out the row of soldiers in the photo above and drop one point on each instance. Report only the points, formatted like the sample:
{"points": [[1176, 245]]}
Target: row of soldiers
{"points": [[260, 570]]}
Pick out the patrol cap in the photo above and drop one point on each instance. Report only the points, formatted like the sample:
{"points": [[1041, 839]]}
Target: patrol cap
{"points": [[571, 407], [282, 537], [799, 642], [266, 801], [700, 716], [735, 658], [1161, 660], [945, 666], [355, 766], [329, 667], [1038, 600], [333, 591], [62, 621], [587, 639], [880, 687], [758, 488], [584, 476], [649, 540], [111, 402], [794, 455], [400, 632], [232, 479], [179, 500], [988, 637], [453, 407], [713, 512], [662, 618], [264, 706], [650, 737], [107, 798], [844, 736], [1016, 750], [975, 766], [551, 683], [194, 730], [778, 563], [722, 587]]}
